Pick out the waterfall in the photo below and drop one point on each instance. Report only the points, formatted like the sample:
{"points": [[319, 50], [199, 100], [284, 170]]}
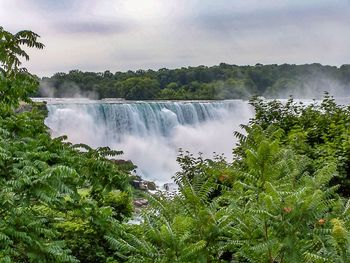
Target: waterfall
{"points": [[150, 133]]}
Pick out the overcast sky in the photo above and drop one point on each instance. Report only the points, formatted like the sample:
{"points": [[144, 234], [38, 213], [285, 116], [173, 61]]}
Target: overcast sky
{"points": [[95, 35]]}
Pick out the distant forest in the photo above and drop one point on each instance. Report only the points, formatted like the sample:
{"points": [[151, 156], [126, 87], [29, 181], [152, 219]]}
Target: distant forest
{"points": [[224, 81]]}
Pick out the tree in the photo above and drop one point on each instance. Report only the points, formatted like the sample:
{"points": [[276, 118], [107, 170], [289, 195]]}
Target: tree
{"points": [[217, 82], [50, 190], [265, 208], [318, 131], [10, 49], [139, 88], [15, 82]]}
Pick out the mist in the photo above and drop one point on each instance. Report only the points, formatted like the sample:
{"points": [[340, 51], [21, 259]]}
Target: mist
{"points": [[153, 153], [67, 90], [311, 86]]}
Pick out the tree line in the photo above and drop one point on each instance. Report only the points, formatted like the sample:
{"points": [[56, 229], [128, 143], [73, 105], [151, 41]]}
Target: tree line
{"points": [[223, 81]]}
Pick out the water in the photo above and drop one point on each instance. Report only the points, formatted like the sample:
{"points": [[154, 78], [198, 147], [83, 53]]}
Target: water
{"points": [[150, 133]]}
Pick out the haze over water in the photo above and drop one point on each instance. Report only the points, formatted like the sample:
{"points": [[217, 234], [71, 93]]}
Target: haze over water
{"points": [[151, 133]]}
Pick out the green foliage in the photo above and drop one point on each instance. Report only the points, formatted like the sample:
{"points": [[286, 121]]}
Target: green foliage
{"points": [[284, 214], [138, 88], [207, 83], [43, 206], [15, 82], [10, 49], [188, 228], [265, 208], [58, 200], [320, 131]]}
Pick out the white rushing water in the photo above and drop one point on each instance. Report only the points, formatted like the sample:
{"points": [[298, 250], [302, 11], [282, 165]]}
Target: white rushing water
{"points": [[150, 133]]}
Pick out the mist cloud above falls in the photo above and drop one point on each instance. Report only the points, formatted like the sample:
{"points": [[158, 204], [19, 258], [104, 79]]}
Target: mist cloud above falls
{"points": [[155, 155], [311, 85], [66, 90]]}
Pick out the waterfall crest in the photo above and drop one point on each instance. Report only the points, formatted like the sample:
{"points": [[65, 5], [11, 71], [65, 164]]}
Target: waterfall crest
{"points": [[150, 133]]}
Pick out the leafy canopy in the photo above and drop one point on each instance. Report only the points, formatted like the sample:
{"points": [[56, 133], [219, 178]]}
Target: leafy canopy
{"points": [[57, 200]]}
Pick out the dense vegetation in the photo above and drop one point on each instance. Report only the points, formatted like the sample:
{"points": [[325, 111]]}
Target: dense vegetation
{"points": [[218, 82], [57, 200], [284, 198]]}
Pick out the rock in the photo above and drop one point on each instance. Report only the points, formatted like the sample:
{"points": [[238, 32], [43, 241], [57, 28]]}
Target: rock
{"points": [[139, 184], [141, 202], [170, 190], [151, 186], [170, 187]]}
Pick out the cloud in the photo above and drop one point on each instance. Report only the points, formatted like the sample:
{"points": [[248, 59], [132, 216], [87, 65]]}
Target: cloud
{"points": [[119, 35], [89, 27], [51, 6], [269, 20]]}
